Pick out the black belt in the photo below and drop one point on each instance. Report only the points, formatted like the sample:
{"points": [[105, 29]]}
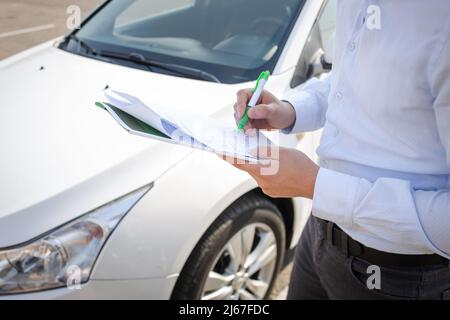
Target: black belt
{"points": [[338, 238]]}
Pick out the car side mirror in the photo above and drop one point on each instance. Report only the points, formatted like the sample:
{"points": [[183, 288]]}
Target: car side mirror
{"points": [[318, 65], [316, 59], [326, 66], [328, 49], [323, 59]]}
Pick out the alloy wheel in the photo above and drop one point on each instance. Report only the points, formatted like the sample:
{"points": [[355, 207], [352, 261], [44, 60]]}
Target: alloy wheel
{"points": [[245, 266]]}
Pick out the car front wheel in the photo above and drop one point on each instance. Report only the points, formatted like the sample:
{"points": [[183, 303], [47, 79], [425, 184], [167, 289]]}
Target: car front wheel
{"points": [[238, 257]]}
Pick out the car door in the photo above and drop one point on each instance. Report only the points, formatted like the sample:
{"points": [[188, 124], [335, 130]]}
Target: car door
{"points": [[315, 60]]}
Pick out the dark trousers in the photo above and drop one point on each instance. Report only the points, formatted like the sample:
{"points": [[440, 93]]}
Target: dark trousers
{"points": [[322, 271]]}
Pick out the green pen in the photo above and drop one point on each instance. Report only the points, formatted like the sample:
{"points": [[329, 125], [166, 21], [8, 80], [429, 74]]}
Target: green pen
{"points": [[259, 87]]}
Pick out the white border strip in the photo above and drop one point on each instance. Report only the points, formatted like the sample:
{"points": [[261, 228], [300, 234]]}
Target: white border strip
{"points": [[27, 30]]}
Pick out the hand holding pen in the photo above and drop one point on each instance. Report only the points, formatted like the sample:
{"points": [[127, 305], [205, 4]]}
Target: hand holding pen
{"points": [[264, 112]]}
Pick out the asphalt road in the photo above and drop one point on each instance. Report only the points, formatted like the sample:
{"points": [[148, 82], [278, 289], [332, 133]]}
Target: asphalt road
{"points": [[27, 23]]}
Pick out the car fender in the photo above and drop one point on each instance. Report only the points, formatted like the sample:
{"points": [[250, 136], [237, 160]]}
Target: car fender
{"points": [[157, 236]]}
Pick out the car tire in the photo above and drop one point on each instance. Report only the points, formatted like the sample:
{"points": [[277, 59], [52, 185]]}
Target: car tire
{"points": [[250, 212]]}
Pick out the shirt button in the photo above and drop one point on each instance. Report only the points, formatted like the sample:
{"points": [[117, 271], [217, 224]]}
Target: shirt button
{"points": [[352, 46], [338, 95]]}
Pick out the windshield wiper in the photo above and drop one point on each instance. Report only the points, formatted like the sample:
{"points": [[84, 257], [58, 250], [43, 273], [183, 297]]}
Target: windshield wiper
{"points": [[175, 68], [81, 43]]}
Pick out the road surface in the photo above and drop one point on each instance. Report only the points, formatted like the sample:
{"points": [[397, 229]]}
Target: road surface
{"points": [[26, 23]]}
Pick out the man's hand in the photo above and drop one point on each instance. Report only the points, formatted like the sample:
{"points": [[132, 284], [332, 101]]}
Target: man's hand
{"points": [[270, 113], [296, 175]]}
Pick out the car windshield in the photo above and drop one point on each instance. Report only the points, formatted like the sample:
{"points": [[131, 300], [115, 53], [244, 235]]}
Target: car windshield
{"points": [[231, 39]]}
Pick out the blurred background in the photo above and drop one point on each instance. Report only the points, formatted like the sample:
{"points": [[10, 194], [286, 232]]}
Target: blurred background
{"points": [[26, 23]]}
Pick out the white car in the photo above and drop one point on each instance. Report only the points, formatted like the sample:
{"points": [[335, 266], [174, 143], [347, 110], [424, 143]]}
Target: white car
{"points": [[88, 211]]}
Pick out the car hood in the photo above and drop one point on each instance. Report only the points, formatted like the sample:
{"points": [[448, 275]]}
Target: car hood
{"points": [[60, 155]]}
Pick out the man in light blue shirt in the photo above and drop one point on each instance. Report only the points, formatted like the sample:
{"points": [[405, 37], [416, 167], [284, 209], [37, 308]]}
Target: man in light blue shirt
{"points": [[381, 194]]}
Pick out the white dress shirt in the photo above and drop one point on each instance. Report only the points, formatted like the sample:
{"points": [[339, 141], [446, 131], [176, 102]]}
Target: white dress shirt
{"points": [[385, 113]]}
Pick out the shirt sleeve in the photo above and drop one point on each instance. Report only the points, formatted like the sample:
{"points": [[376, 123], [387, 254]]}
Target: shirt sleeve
{"points": [[391, 207], [310, 104]]}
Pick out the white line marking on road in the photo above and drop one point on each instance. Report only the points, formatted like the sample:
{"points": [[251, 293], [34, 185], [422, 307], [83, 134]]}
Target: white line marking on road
{"points": [[27, 30]]}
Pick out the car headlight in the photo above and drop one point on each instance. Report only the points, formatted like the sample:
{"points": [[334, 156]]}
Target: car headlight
{"points": [[70, 250]]}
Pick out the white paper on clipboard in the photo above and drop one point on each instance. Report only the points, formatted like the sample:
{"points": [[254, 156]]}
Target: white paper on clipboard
{"points": [[185, 128]]}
